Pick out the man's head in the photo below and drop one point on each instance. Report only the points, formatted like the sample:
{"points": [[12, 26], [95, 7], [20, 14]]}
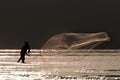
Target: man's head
{"points": [[26, 43]]}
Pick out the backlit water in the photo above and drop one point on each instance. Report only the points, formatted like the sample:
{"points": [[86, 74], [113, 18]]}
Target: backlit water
{"points": [[61, 65]]}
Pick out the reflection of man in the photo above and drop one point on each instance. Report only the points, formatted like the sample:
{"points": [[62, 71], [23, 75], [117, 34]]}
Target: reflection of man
{"points": [[24, 51]]}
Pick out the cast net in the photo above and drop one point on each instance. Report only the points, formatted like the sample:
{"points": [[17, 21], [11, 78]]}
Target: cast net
{"points": [[76, 40]]}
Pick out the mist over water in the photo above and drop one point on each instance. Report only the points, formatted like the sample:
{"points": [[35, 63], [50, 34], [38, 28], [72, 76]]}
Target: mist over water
{"points": [[51, 64]]}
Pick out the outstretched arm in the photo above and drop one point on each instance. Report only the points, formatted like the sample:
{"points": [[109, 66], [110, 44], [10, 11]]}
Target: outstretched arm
{"points": [[27, 54], [28, 51]]}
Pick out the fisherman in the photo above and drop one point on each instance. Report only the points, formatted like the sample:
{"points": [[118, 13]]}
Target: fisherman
{"points": [[25, 50]]}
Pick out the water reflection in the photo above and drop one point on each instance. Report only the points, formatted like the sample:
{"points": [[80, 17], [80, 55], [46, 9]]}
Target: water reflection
{"points": [[61, 64]]}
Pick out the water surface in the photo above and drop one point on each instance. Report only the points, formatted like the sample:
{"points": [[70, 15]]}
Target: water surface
{"points": [[60, 65]]}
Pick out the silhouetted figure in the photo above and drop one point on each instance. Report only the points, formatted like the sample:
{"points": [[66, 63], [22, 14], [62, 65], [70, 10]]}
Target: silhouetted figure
{"points": [[25, 49]]}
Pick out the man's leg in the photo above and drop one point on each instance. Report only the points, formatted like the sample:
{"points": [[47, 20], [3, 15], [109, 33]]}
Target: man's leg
{"points": [[19, 59], [23, 59]]}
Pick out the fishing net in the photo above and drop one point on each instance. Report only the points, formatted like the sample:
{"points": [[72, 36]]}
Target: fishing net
{"points": [[76, 40]]}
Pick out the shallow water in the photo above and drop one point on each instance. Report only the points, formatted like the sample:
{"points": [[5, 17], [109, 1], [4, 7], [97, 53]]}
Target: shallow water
{"points": [[61, 65]]}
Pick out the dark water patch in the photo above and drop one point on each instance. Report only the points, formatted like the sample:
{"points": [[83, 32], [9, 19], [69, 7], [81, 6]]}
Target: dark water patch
{"points": [[113, 70], [112, 77]]}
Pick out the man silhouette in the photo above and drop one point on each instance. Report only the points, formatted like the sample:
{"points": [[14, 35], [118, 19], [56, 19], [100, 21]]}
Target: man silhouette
{"points": [[25, 49]]}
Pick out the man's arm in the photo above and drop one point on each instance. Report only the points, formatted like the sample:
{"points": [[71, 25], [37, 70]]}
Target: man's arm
{"points": [[28, 51], [27, 54]]}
